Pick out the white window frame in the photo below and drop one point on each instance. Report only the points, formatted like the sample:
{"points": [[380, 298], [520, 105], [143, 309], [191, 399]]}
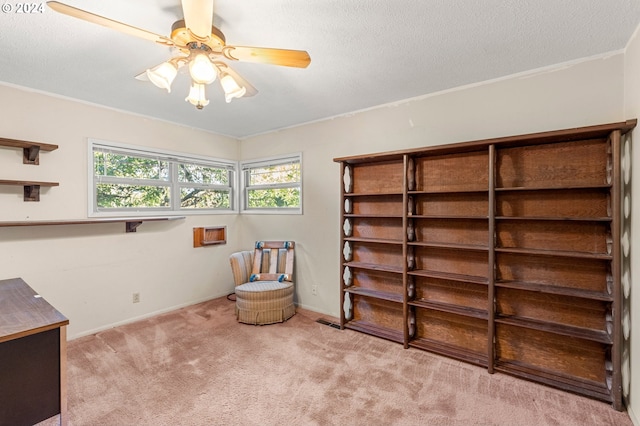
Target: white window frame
{"points": [[246, 166], [175, 158]]}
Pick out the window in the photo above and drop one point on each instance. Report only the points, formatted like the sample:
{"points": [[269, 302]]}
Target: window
{"points": [[134, 180], [272, 185]]}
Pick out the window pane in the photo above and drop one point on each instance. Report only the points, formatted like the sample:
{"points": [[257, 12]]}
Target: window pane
{"points": [[273, 198], [202, 174], [283, 173], [98, 163], [125, 166], [139, 180], [121, 195], [198, 198]]}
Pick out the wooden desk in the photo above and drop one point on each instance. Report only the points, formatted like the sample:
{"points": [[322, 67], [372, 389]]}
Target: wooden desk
{"points": [[33, 357]]}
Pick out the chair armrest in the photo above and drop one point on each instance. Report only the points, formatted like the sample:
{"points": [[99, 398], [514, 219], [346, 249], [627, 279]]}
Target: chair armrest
{"points": [[241, 264]]}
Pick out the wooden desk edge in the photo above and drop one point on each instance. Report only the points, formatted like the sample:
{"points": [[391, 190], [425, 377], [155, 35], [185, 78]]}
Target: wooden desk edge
{"points": [[30, 332]]}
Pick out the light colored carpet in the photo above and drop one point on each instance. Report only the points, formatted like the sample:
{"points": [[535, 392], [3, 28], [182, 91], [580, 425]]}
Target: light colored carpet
{"points": [[198, 366]]}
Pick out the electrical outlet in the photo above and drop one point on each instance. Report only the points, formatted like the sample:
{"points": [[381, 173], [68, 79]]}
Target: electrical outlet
{"points": [[314, 290], [136, 297]]}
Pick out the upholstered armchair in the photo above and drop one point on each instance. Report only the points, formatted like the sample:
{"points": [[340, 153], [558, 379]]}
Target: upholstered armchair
{"points": [[264, 282]]}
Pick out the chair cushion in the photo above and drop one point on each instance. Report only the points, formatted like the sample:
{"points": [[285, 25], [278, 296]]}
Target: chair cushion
{"points": [[284, 287]]}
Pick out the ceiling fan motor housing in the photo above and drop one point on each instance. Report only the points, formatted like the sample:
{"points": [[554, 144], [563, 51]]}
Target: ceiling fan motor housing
{"points": [[183, 37]]}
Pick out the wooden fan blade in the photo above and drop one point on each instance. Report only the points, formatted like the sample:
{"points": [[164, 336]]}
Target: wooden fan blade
{"points": [[264, 55], [142, 76], [109, 23], [198, 16]]}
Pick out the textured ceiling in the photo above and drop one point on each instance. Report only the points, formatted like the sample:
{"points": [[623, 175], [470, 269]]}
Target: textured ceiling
{"points": [[363, 52]]}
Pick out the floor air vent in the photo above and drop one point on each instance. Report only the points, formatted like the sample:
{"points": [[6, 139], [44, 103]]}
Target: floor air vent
{"points": [[329, 323]]}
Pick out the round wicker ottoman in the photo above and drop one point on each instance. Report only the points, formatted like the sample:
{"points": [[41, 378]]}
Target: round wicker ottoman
{"points": [[264, 302]]}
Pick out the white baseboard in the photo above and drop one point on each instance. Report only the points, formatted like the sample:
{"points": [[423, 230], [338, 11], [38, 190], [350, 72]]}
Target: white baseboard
{"points": [[144, 316], [315, 309], [633, 417], [176, 307]]}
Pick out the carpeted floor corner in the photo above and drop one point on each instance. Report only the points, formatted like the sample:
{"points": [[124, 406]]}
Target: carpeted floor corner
{"points": [[198, 366]]}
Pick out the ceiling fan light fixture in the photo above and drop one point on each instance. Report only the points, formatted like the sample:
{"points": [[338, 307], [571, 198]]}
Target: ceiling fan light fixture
{"points": [[199, 43], [197, 95], [163, 75], [231, 88], [202, 69]]}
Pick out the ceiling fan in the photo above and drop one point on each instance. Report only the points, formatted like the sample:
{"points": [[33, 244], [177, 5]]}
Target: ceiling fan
{"points": [[201, 46]]}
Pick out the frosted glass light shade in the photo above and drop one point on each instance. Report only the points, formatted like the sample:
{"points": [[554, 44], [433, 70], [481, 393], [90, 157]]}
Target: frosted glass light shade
{"points": [[197, 95], [201, 69], [231, 88], [163, 75]]}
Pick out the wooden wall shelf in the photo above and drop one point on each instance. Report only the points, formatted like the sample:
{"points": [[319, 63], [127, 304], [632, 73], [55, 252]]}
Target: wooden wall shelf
{"points": [[31, 150], [31, 155], [31, 188], [502, 252], [131, 223]]}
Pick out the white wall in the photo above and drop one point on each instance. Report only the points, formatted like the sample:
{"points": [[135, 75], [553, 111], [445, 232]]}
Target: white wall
{"points": [[632, 110], [586, 93], [89, 272]]}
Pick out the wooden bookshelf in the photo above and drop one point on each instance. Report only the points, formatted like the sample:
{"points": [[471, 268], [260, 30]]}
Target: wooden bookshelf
{"points": [[502, 252]]}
